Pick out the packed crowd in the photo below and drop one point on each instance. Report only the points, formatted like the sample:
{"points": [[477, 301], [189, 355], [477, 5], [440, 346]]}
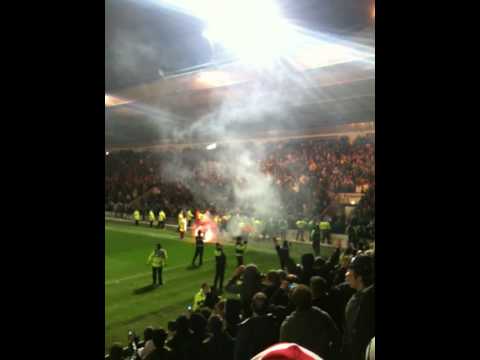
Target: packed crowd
{"points": [[362, 223], [324, 306], [305, 173]]}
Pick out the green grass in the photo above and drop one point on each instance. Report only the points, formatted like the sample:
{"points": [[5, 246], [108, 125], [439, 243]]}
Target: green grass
{"points": [[126, 251]]}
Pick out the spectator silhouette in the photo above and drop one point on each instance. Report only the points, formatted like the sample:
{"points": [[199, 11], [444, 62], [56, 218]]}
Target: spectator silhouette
{"points": [[180, 342], [159, 336], [258, 331], [309, 326], [220, 345]]}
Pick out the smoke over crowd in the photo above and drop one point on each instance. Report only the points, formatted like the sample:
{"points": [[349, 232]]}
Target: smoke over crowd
{"points": [[270, 103], [249, 188]]}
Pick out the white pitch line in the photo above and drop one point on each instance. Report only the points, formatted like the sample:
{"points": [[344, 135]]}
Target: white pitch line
{"points": [[139, 275]]}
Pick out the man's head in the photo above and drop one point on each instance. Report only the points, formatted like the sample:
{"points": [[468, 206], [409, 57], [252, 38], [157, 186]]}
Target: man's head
{"points": [[182, 324], [273, 278], [205, 288], [260, 303], [282, 275], [199, 233], [218, 246], [159, 336], [319, 286], [318, 263], [302, 298], [239, 271], [239, 239], [172, 326], [360, 272], [308, 261], [285, 244], [159, 246], [198, 323], [345, 261], [116, 352], [148, 333], [215, 324], [251, 275], [292, 278]]}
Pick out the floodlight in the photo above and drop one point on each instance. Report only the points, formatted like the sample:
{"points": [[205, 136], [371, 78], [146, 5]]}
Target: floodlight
{"points": [[253, 30]]}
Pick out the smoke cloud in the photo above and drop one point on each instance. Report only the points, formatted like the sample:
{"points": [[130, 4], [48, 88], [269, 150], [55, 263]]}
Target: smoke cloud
{"points": [[247, 187], [271, 103]]}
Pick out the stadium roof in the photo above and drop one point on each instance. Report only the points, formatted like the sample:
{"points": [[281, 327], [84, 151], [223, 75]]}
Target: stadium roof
{"points": [[160, 77]]}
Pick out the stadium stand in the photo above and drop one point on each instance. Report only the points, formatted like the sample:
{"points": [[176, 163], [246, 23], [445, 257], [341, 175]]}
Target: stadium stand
{"points": [[306, 174]]}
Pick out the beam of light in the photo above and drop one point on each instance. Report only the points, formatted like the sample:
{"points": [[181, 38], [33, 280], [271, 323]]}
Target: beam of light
{"points": [[213, 79], [322, 55], [153, 113], [361, 43], [111, 101], [257, 34]]}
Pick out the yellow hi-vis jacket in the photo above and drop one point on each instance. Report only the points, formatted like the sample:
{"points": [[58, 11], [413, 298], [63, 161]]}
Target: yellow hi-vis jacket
{"points": [[198, 300], [182, 225], [151, 216], [136, 215], [158, 258], [301, 224], [325, 225], [161, 216], [189, 215]]}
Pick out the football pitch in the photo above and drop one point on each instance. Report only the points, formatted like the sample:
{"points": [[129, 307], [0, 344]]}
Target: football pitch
{"points": [[130, 304]]}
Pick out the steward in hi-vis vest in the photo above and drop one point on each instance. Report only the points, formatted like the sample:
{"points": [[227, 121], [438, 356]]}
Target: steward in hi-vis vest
{"points": [[151, 217], [161, 219], [136, 217], [158, 259]]}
